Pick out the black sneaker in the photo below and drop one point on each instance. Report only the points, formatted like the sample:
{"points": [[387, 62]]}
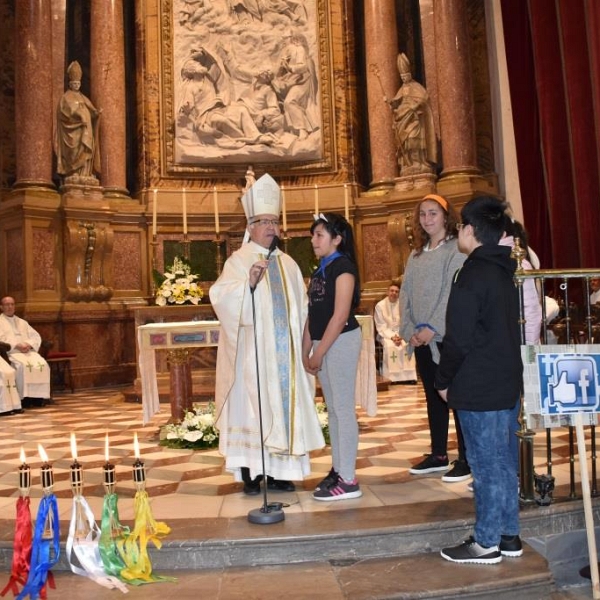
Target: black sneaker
{"points": [[430, 464], [331, 478], [280, 485], [339, 490], [510, 545], [471, 552], [459, 472]]}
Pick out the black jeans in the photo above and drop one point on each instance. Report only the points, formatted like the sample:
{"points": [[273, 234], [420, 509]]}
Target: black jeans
{"points": [[437, 410]]}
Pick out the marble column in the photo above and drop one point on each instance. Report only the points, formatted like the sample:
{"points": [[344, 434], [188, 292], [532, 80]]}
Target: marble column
{"points": [[456, 105], [108, 91], [180, 389], [33, 93], [383, 79]]}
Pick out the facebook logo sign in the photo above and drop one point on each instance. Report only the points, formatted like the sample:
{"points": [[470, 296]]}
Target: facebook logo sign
{"points": [[568, 383]]}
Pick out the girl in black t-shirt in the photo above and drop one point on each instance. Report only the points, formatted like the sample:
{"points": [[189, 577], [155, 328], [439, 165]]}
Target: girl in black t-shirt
{"points": [[331, 347]]}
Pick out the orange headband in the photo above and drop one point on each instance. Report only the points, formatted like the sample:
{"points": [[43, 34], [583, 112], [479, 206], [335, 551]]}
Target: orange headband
{"points": [[441, 201]]}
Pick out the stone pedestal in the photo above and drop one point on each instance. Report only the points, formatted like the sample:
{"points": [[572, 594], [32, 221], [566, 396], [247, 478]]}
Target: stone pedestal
{"points": [[88, 243]]}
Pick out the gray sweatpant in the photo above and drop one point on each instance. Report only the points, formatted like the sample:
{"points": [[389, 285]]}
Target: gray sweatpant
{"points": [[338, 381]]}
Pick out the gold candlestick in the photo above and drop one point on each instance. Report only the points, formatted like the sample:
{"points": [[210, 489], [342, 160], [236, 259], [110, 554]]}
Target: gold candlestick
{"points": [[218, 258], [154, 246], [285, 238], [186, 246]]}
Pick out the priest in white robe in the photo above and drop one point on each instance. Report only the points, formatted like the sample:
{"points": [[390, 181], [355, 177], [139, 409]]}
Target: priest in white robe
{"points": [[396, 365], [290, 424], [9, 397], [32, 371]]}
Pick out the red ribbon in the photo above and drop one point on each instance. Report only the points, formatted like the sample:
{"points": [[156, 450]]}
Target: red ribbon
{"points": [[21, 548]]}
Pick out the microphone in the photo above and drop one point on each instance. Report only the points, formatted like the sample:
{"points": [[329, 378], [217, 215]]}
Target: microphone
{"points": [[274, 243], [273, 246]]}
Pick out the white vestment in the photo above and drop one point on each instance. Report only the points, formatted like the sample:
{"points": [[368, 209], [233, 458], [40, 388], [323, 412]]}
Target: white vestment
{"points": [[32, 371], [396, 364], [287, 441], [9, 397]]}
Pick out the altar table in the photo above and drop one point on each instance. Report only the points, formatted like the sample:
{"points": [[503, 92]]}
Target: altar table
{"points": [[197, 334]]}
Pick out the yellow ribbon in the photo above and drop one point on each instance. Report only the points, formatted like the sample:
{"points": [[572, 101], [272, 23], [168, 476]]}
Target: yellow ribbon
{"points": [[133, 547]]}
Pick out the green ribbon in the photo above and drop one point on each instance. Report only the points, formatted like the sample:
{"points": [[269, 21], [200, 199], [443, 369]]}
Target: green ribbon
{"points": [[111, 532]]}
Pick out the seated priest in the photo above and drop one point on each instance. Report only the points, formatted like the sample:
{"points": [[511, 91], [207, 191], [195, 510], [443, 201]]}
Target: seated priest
{"points": [[396, 365], [10, 402], [32, 371]]}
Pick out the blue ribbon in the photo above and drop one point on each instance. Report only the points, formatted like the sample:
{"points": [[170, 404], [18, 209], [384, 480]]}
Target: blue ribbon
{"points": [[325, 261], [45, 550]]}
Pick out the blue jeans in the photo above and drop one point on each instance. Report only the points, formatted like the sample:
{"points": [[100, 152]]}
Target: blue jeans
{"points": [[488, 436]]}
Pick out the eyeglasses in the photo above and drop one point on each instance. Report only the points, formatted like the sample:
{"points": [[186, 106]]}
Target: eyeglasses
{"points": [[265, 222], [459, 226]]}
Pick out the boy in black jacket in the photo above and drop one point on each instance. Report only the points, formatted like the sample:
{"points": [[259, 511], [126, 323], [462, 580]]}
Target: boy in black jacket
{"points": [[480, 376]]}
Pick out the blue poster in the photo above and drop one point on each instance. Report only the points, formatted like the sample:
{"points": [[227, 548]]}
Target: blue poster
{"points": [[568, 383]]}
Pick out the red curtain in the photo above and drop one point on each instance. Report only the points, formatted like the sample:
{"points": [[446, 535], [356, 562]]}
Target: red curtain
{"points": [[552, 72]]}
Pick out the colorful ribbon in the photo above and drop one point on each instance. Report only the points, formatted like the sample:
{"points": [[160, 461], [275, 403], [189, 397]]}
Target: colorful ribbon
{"points": [[21, 547], [82, 545], [134, 548], [45, 549], [111, 532]]}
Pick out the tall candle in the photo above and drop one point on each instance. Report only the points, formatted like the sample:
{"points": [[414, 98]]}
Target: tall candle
{"points": [[316, 200], [24, 474], [76, 470], [139, 474], [184, 200], [46, 471], [346, 208], [109, 469], [154, 205], [216, 203], [283, 209]]}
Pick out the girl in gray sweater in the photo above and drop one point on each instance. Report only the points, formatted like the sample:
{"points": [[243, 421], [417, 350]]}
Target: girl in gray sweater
{"points": [[423, 298]]}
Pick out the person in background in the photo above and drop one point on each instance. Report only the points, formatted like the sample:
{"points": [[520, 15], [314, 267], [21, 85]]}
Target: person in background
{"points": [[331, 347], [396, 365], [424, 294], [261, 276], [480, 375], [32, 371], [595, 287]]}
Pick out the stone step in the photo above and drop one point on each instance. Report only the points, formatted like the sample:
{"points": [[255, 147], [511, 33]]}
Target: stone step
{"points": [[330, 534]]}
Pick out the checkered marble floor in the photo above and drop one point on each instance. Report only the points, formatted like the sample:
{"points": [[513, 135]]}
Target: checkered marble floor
{"points": [[183, 483]]}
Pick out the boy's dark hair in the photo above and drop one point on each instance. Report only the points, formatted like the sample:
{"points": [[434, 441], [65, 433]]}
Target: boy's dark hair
{"points": [[486, 215]]}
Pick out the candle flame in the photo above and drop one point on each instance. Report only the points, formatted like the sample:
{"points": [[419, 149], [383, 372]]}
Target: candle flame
{"points": [[136, 445], [23, 457], [106, 453], [42, 453], [73, 447]]}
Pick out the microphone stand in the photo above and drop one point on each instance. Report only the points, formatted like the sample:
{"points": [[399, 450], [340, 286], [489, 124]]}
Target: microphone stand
{"points": [[267, 513]]}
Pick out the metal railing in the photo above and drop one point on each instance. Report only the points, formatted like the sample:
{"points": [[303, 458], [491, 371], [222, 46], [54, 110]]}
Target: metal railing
{"points": [[578, 323]]}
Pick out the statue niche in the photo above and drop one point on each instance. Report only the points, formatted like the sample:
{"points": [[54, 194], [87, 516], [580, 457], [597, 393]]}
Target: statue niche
{"points": [[414, 131], [76, 134]]}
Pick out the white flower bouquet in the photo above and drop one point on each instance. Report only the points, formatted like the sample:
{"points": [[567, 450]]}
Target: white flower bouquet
{"points": [[178, 285], [197, 430]]}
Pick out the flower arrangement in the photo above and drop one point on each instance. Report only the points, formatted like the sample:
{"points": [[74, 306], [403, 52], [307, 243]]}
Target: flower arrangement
{"points": [[178, 285], [197, 431]]}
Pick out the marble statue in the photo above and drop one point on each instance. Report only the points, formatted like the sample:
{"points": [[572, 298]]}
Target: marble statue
{"points": [[76, 138], [413, 124]]}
